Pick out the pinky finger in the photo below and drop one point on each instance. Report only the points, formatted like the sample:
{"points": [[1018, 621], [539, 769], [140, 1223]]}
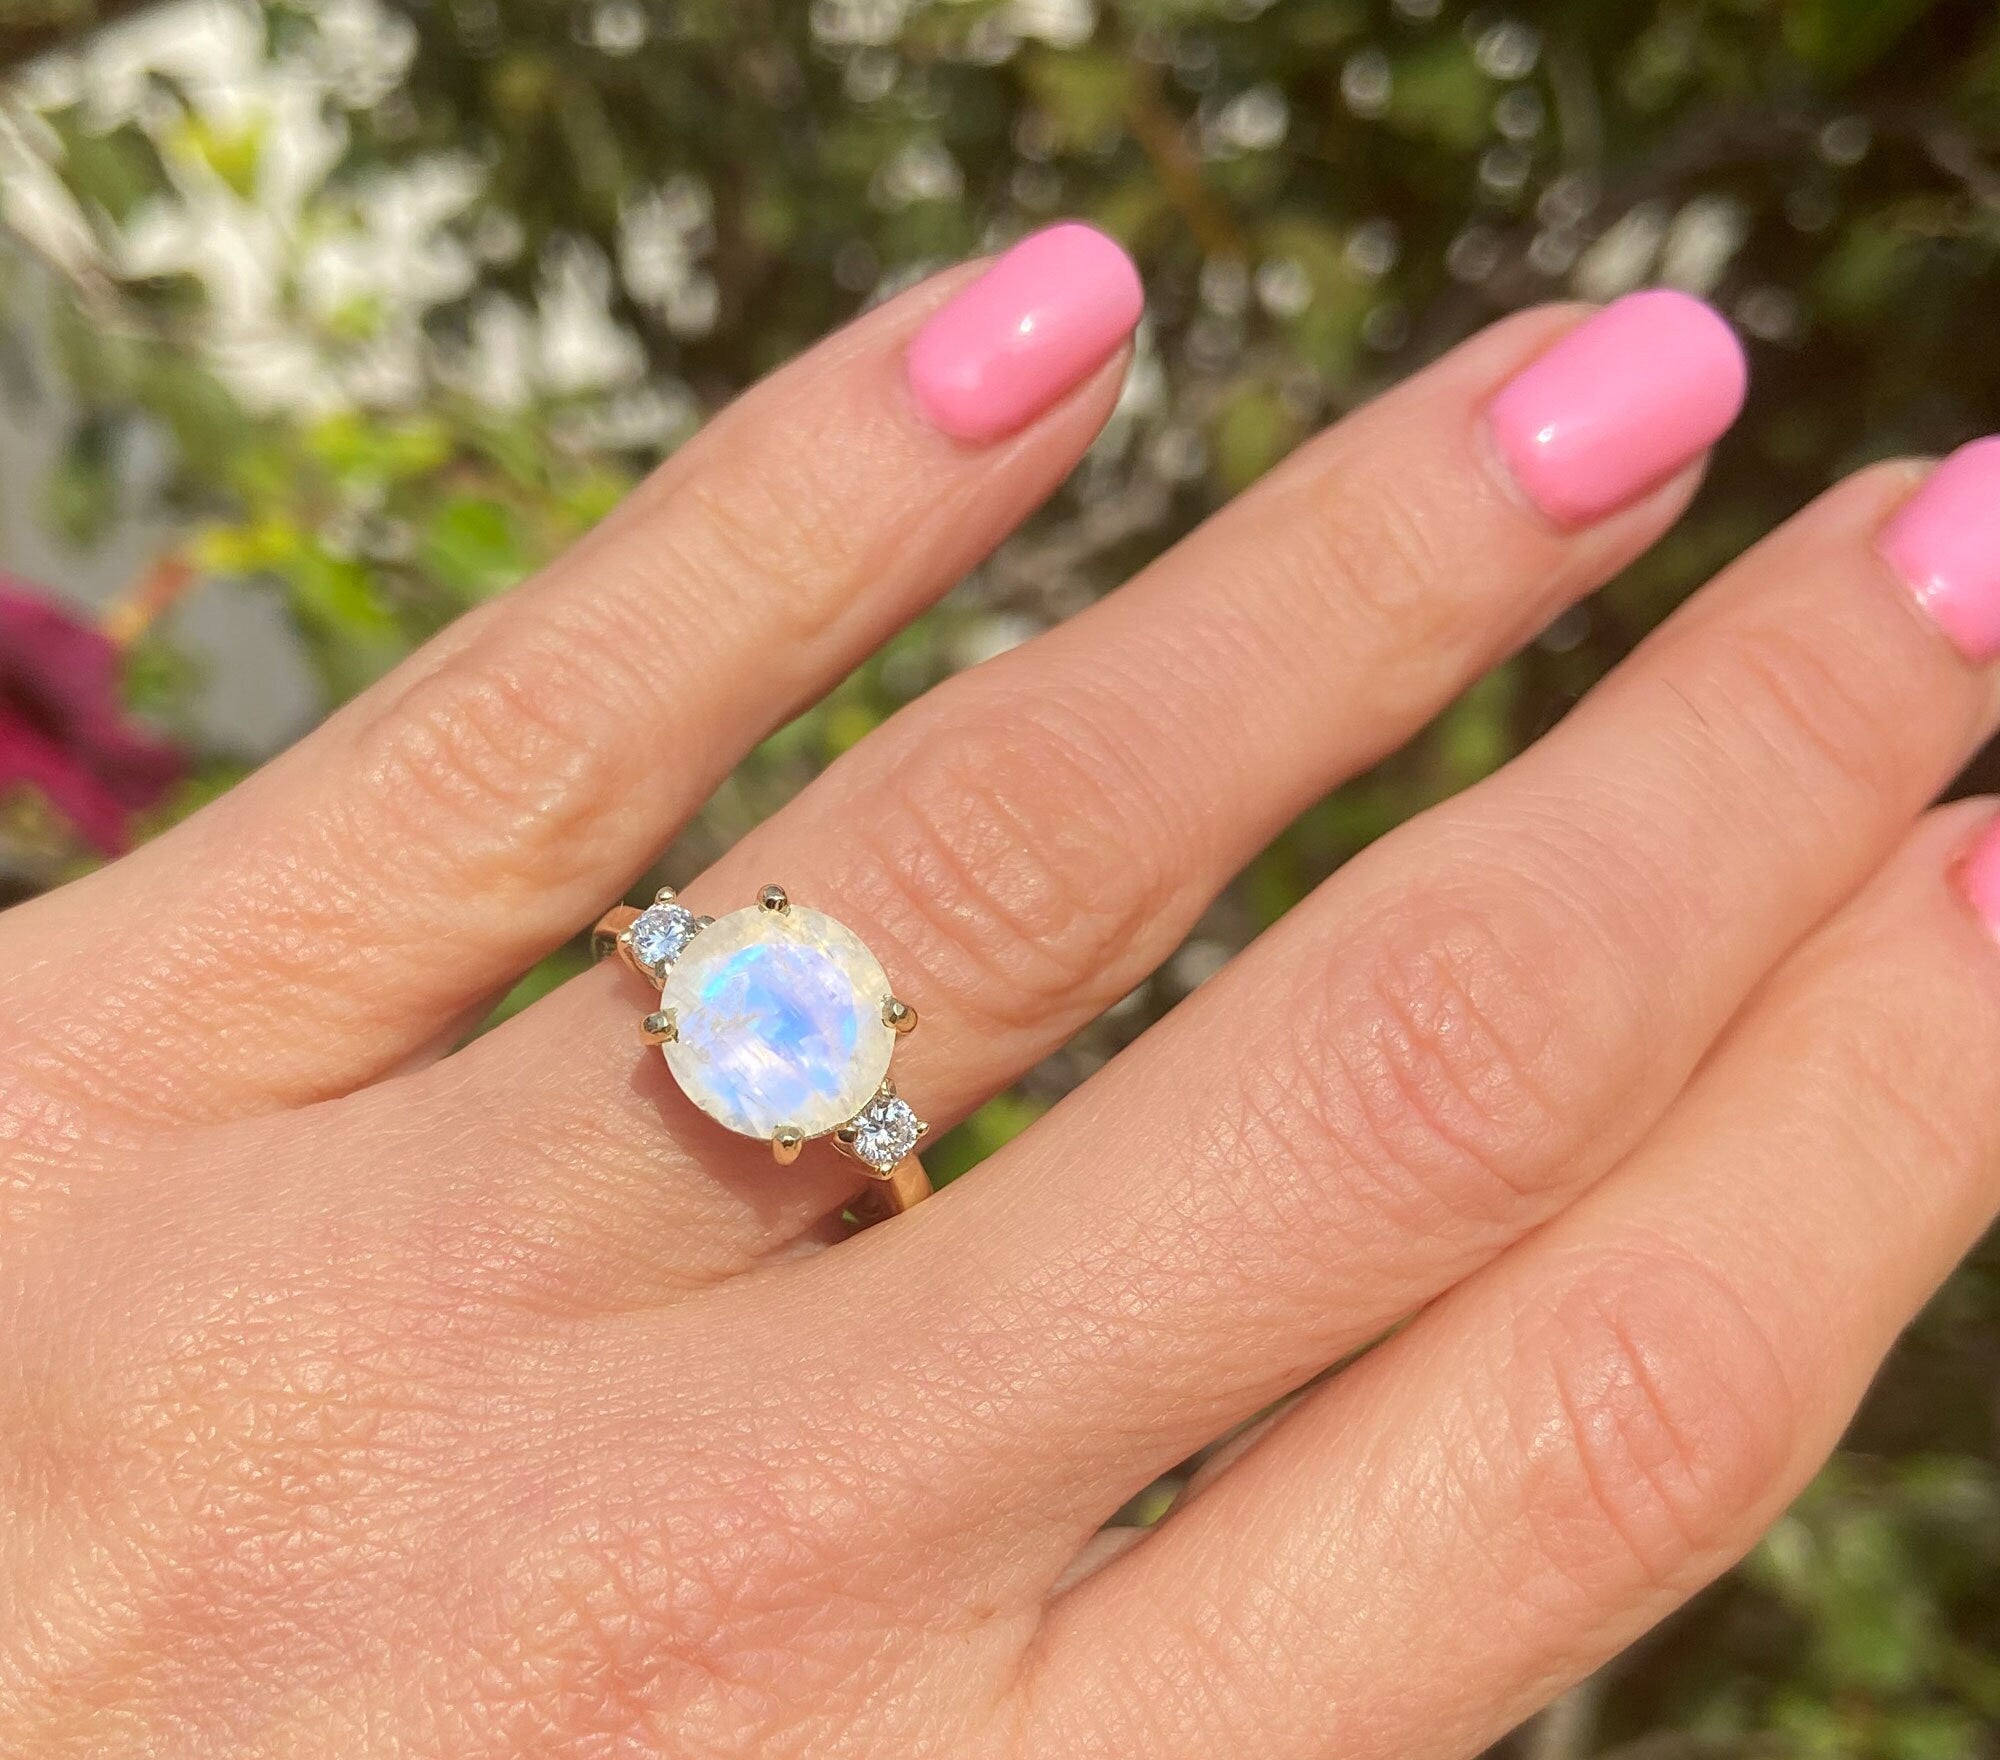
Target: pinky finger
{"points": [[1554, 1456]]}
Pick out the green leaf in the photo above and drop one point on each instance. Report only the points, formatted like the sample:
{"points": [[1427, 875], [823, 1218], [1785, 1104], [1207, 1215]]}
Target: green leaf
{"points": [[80, 498], [1252, 433], [208, 425], [1841, 39], [1086, 95], [553, 972], [354, 637], [364, 451], [473, 546], [115, 171], [235, 155], [992, 1127], [1440, 95], [1475, 736], [1867, 268]]}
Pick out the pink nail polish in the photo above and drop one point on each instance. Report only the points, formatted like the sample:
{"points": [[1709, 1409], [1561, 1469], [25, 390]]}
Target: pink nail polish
{"points": [[1625, 400], [1029, 331], [1946, 544], [1979, 878]]}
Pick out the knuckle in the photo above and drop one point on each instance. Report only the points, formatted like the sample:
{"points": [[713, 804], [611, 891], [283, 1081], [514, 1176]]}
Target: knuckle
{"points": [[777, 532], [1383, 545], [1427, 1081], [1807, 710], [1879, 1071], [1019, 861], [502, 758], [1655, 1416], [1890, 1090]]}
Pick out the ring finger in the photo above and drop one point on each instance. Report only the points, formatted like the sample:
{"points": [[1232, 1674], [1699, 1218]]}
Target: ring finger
{"points": [[1025, 844]]}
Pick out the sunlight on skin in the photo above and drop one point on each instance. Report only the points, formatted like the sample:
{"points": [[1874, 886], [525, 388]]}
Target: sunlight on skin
{"points": [[484, 1403]]}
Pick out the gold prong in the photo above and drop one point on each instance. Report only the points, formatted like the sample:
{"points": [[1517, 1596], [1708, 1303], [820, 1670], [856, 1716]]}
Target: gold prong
{"points": [[899, 1016], [773, 898], [659, 1029], [701, 923], [628, 957], [666, 895], [613, 934], [786, 1142]]}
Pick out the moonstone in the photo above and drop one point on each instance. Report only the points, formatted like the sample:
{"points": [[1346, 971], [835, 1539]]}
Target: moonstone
{"points": [[778, 1022]]}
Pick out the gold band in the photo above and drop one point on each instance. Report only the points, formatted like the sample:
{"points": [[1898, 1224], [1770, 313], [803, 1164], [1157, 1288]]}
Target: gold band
{"points": [[902, 1188], [604, 939]]}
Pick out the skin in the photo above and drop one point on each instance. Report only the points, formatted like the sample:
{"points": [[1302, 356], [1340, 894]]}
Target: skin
{"points": [[366, 1401]]}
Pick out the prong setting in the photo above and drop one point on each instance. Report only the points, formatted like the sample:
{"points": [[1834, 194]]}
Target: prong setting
{"points": [[883, 1134], [775, 1025], [658, 936], [628, 956]]}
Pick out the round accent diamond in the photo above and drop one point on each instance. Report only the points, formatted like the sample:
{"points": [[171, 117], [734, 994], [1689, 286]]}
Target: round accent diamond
{"points": [[660, 933], [886, 1132], [778, 1022]]}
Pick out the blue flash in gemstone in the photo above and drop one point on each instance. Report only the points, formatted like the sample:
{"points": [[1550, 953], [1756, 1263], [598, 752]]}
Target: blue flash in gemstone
{"points": [[778, 1022]]}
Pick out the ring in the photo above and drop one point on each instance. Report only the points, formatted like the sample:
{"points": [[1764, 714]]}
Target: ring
{"points": [[779, 1024]]}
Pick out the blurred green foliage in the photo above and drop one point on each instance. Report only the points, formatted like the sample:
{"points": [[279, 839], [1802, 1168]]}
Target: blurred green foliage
{"points": [[395, 323]]}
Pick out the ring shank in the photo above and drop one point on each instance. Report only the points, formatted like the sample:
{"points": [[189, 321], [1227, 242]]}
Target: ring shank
{"points": [[905, 1186], [604, 939]]}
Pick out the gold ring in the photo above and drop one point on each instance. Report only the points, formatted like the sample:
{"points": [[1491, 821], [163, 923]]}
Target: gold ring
{"points": [[779, 1024]]}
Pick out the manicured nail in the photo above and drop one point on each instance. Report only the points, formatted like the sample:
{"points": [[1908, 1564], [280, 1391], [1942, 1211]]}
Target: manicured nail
{"points": [[1946, 544], [1029, 331], [1979, 878], [1623, 402]]}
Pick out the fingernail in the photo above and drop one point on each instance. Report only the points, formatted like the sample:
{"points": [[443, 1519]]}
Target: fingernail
{"points": [[1623, 402], [1024, 335], [1946, 544], [1979, 878]]}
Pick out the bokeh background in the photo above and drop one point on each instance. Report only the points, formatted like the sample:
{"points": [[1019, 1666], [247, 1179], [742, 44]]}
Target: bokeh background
{"points": [[323, 320]]}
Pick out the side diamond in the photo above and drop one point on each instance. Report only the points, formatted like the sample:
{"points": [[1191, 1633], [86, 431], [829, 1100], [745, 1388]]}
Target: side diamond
{"points": [[884, 1132], [659, 935]]}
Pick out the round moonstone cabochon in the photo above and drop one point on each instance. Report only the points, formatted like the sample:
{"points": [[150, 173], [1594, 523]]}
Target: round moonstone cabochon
{"points": [[778, 1021]]}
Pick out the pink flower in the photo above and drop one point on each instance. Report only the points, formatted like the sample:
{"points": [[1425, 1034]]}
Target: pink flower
{"points": [[63, 726]]}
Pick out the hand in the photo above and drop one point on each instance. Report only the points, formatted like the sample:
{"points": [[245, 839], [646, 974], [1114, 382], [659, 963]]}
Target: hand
{"points": [[365, 1400]]}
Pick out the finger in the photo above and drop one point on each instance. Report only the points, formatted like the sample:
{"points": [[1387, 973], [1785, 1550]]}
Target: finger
{"points": [[1461, 1032], [1025, 844], [1569, 1445], [335, 915]]}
